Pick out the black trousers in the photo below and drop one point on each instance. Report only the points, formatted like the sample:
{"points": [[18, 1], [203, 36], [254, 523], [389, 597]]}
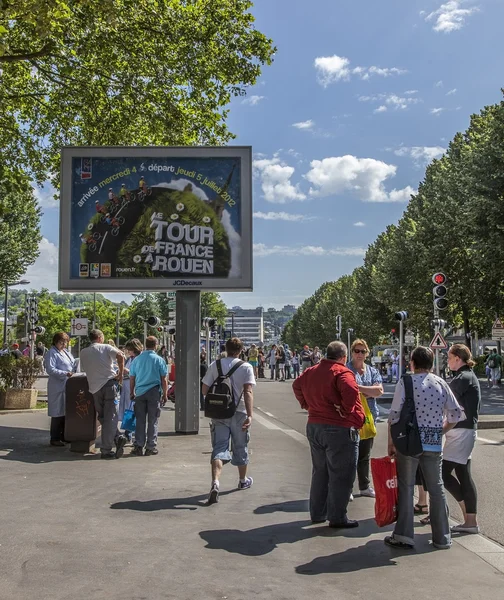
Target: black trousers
{"points": [[57, 429], [461, 485], [365, 447]]}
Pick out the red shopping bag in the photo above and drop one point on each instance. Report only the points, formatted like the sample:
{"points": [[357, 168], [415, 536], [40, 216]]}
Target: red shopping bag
{"points": [[385, 485]]}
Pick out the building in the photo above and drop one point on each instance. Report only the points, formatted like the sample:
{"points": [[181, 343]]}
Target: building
{"points": [[247, 324]]}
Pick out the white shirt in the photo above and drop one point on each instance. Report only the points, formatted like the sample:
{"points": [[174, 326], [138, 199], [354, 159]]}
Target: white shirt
{"points": [[97, 361], [243, 375]]}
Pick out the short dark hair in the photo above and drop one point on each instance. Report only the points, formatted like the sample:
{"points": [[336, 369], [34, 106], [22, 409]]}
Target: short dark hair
{"points": [[234, 346], [151, 342], [135, 345], [336, 350], [59, 337], [95, 334], [422, 357]]}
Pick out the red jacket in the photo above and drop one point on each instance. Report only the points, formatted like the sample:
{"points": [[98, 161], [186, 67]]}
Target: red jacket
{"points": [[330, 394]]}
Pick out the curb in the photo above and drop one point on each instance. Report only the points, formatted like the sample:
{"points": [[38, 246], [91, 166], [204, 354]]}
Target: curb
{"points": [[495, 424], [19, 411]]}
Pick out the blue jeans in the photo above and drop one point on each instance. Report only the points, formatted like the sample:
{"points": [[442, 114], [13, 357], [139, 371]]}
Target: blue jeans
{"points": [[224, 431], [430, 463], [334, 452], [147, 410]]}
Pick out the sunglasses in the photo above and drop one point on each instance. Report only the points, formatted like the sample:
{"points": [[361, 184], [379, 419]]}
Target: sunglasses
{"points": [[360, 351]]}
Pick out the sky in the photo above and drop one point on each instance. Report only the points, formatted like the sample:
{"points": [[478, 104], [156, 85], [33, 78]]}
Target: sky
{"points": [[361, 96]]}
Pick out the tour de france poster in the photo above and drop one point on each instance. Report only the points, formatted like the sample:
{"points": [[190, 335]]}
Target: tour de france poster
{"points": [[139, 219]]}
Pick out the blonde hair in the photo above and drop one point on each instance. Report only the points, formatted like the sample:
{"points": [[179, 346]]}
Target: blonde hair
{"points": [[462, 351], [359, 342]]}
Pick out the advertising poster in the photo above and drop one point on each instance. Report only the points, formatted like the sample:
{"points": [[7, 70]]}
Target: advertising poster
{"points": [[138, 219]]}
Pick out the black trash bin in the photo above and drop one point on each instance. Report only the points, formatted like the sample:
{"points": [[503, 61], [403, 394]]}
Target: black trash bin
{"points": [[81, 425]]}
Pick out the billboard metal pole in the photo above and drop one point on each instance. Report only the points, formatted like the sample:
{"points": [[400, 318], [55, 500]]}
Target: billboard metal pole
{"points": [[188, 323], [118, 316]]}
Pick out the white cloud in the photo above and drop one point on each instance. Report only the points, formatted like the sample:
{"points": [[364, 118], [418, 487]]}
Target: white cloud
{"points": [[331, 69], [410, 92], [293, 153], [451, 16], [421, 154], [275, 178], [439, 84], [304, 124], [451, 92], [359, 224], [363, 176], [392, 100], [262, 250], [281, 216], [436, 111], [235, 244], [380, 109], [44, 271], [45, 196], [253, 100]]}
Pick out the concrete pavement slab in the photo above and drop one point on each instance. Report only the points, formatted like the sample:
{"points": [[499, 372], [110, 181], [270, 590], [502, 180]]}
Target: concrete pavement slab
{"points": [[138, 528]]}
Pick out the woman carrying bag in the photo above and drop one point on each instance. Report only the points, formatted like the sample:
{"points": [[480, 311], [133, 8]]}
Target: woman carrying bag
{"points": [[133, 348]]}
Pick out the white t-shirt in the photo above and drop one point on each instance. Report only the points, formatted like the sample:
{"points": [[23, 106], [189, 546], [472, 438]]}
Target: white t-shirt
{"points": [[459, 444], [97, 361], [244, 374]]}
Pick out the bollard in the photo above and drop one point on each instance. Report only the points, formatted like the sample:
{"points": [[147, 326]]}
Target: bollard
{"points": [[81, 425]]}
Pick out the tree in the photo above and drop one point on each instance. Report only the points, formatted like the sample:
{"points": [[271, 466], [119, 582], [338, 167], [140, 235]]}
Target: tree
{"points": [[114, 72], [213, 306], [144, 305], [19, 223]]}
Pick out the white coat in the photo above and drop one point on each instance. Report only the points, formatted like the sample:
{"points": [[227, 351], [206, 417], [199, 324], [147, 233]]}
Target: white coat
{"points": [[57, 364]]}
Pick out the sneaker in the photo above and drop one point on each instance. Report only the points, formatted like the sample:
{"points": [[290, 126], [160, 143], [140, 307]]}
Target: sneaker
{"points": [[369, 493], [348, 524], [244, 485], [463, 529], [213, 497], [137, 451], [351, 498], [120, 443], [108, 455], [151, 452]]}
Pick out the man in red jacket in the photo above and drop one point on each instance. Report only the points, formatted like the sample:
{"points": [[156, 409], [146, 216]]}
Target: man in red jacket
{"points": [[330, 394]]}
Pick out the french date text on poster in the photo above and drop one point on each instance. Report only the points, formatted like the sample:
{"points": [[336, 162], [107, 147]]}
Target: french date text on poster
{"points": [[139, 219]]}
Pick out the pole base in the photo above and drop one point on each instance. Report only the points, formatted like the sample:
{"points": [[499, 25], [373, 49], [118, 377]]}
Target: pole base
{"points": [[83, 447]]}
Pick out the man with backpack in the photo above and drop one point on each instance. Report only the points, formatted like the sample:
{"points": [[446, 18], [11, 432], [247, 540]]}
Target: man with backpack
{"points": [[227, 387], [494, 362]]}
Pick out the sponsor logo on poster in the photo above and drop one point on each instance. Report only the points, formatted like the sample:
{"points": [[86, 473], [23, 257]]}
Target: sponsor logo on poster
{"points": [[95, 269], [83, 269], [106, 270], [86, 168]]}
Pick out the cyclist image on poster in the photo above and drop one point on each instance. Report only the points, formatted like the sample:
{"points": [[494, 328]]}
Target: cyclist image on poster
{"points": [[157, 218]]}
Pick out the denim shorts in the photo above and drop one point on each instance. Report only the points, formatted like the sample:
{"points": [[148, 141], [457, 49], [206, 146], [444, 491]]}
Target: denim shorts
{"points": [[224, 430]]}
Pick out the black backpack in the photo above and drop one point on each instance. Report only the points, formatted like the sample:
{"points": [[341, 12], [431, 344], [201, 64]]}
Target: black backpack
{"points": [[405, 433], [219, 401]]}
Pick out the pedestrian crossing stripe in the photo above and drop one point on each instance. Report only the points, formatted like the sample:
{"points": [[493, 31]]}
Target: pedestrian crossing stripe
{"points": [[438, 342]]}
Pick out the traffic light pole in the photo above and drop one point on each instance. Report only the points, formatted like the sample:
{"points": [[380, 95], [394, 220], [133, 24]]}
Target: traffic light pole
{"points": [[436, 331], [401, 350]]}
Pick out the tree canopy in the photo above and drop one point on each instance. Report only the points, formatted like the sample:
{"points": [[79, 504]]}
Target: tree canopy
{"points": [[114, 72]]}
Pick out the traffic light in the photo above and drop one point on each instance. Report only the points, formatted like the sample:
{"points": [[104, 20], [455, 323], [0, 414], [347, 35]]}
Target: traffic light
{"points": [[402, 315], [39, 330], [171, 330], [439, 291], [153, 321], [32, 309], [159, 329], [209, 322]]}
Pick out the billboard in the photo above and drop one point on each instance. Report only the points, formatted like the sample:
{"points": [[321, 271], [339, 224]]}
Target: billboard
{"points": [[147, 219]]}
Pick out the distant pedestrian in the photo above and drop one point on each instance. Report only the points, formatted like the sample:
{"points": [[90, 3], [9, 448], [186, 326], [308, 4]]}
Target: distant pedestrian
{"points": [[272, 358], [98, 362], [395, 367], [459, 444], [133, 349], [203, 368], [148, 388], [59, 365], [253, 357], [330, 394], [163, 353], [27, 349], [494, 362], [280, 354], [235, 429], [305, 357], [437, 411], [15, 351], [316, 356], [288, 361], [295, 364]]}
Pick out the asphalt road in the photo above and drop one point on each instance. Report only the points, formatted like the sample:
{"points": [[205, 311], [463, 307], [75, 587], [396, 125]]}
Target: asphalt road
{"points": [[277, 401]]}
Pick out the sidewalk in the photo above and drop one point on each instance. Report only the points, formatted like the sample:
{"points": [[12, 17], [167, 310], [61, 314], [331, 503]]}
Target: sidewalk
{"points": [[78, 527]]}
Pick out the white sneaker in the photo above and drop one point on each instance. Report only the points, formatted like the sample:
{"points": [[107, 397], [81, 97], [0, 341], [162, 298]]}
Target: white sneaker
{"points": [[462, 529], [351, 498], [369, 493]]}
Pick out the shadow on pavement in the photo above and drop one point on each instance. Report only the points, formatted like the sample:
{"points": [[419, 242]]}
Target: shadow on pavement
{"points": [[290, 506], [263, 540], [369, 556], [32, 446], [189, 503]]}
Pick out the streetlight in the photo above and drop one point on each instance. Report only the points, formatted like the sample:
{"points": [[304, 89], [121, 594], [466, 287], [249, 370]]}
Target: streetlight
{"points": [[6, 303], [232, 313]]}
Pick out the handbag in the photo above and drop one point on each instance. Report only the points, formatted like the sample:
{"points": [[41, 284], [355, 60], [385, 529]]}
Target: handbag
{"points": [[385, 485], [405, 433], [368, 430], [129, 419]]}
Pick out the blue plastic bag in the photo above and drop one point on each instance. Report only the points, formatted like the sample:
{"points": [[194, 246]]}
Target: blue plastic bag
{"points": [[129, 419]]}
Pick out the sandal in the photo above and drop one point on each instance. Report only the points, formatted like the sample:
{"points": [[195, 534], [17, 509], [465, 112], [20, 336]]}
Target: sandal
{"points": [[425, 520], [421, 509], [393, 543]]}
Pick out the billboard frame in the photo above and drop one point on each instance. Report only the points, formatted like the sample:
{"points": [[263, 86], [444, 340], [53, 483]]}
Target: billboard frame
{"points": [[152, 284]]}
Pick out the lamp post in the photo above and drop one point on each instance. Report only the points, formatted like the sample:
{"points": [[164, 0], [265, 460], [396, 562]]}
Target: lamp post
{"points": [[232, 313], [6, 304]]}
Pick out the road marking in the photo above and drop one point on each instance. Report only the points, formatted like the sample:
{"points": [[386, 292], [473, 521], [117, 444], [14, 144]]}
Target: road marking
{"points": [[487, 441], [299, 437], [101, 245]]}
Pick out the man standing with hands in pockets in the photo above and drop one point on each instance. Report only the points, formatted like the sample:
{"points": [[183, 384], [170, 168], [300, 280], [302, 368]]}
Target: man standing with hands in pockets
{"points": [[147, 382]]}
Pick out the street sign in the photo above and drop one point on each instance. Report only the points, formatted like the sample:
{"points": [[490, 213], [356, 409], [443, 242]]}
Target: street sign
{"points": [[409, 338], [171, 304], [497, 330], [438, 342], [79, 327]]}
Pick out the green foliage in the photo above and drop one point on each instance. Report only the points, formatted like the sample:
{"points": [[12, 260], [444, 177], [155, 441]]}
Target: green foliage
{"points": [[20, 373], [117, 72], [213, 306]]}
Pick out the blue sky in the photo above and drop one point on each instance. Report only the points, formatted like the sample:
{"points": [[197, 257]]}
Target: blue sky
{"points": [[360, 97]]}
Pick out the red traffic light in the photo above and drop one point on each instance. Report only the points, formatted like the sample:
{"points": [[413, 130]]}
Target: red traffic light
{"points": [[160, 329], [392, 331], [439, 278]]}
